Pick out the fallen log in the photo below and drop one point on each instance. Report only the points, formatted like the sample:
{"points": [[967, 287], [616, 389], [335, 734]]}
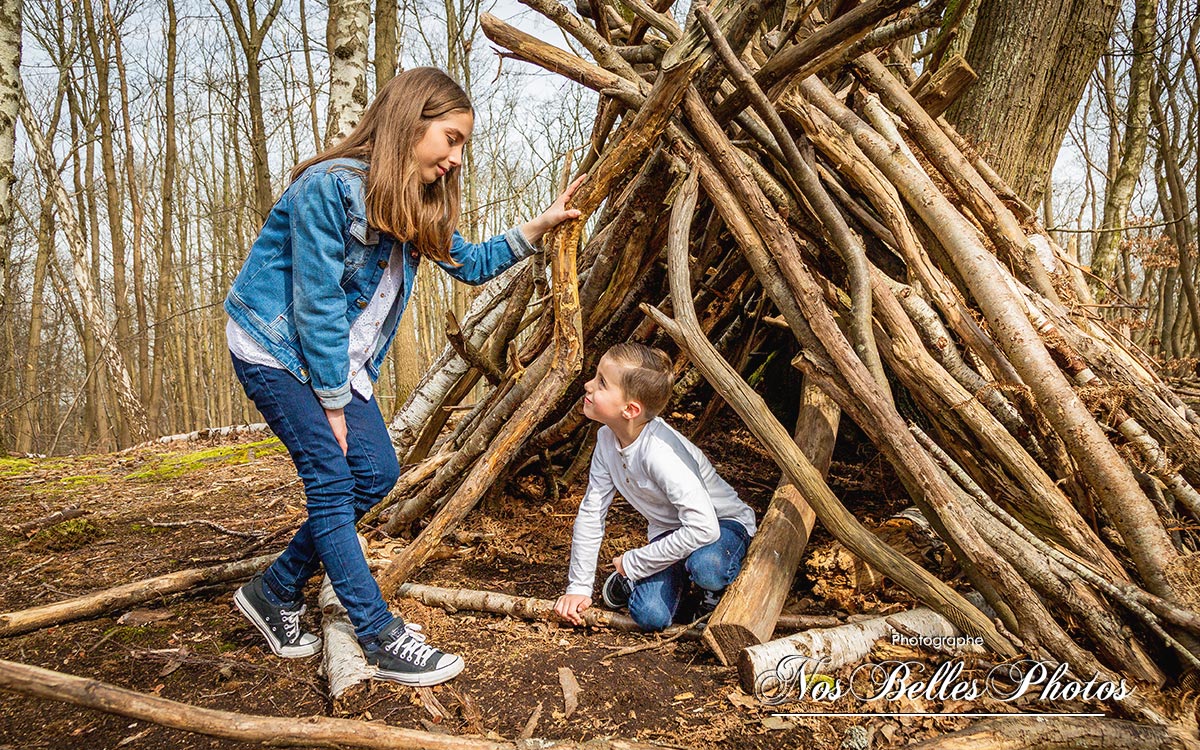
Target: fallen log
{"points": [[268, 731], [138, 592], [761, 667], [58, 516], [1035, 732], [342, 658], [530, 608]]}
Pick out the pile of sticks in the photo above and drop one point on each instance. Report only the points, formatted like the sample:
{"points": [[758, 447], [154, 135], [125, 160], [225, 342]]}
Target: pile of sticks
{"points": [[819, 204]]}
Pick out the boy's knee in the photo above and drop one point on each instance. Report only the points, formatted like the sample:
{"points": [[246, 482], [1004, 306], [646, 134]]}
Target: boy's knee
{"points": [[710, 569], [652, 618]]}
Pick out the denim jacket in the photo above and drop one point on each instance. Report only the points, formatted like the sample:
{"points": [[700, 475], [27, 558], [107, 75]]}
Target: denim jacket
{"points": [[316, 264]]}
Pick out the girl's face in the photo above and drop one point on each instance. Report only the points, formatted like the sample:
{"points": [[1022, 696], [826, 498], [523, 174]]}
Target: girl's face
{"points": [[440, 149]]}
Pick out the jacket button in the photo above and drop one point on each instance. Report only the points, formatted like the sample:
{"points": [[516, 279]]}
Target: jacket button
{"points": [[362, 304], [303, 373], [382, 264]]}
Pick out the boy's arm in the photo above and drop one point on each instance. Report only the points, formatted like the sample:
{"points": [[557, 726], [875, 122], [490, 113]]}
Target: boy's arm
{"points": [[677, 475], [589, 528]]}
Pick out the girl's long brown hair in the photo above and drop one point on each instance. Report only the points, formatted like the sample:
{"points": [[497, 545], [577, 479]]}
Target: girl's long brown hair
{"points": [[397, 201]]}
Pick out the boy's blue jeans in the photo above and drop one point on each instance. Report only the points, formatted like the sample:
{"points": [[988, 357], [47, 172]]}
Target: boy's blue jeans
{"points": [[654, 600], [339, 490]]}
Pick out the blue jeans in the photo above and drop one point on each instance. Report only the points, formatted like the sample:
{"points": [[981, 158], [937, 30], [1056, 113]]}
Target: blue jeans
{"points": [[655, 599], [339, 489]]}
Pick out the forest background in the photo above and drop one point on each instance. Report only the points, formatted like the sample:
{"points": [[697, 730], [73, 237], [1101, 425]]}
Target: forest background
{"points": [[174, 124]]}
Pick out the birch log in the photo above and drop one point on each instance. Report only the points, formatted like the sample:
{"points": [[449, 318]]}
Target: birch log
{"points": [[827, 649]]}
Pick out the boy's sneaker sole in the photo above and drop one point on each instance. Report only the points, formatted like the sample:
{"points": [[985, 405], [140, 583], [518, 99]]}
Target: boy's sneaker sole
{"points": [[287, 652], [424, 679], [616, 591]]}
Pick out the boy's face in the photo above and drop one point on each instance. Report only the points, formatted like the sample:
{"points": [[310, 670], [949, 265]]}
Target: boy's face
{"points": [[603, 399]]}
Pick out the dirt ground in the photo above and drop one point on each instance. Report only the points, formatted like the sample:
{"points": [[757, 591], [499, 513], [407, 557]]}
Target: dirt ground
{"points": [[157, 510]]}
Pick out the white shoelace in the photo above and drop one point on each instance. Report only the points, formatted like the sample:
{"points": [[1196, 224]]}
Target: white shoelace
{"points": [[291, 621], [410, 645]]}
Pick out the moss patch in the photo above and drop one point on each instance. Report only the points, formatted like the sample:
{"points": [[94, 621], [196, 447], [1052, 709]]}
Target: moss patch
{"points": [[68, 535], [80, 480], [177, 465], [13, 466]]}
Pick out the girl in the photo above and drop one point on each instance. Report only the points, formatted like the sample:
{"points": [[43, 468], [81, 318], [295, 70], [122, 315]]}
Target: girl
{"points": [[311, 316]]}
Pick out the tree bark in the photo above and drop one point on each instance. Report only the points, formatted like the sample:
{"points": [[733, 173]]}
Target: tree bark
{"points": [[1029, 83], [346, 37]]}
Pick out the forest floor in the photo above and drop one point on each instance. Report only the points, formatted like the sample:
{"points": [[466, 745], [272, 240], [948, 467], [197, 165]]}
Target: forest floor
{"points": [[142, 512]]}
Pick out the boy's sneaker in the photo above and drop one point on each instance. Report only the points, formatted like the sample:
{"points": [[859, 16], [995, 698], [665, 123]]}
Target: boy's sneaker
{"points": [[280, 625], [401, 654], [615, 591], [708, 603]]}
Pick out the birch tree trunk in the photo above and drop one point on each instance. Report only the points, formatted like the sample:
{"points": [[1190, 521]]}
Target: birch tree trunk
{"points": [[346, 35], [10, 72], [126, 396]]}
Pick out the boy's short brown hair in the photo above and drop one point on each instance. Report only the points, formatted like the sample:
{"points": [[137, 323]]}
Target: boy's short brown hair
{"points": [[647, 375]]}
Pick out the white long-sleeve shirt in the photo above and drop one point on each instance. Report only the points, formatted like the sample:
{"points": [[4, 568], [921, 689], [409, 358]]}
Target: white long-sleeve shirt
{"points": [[670, 482]]}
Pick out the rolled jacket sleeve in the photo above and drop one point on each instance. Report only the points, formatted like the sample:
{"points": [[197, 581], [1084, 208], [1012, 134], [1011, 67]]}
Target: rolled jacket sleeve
{"points": [[481, 261], [318, 220]]}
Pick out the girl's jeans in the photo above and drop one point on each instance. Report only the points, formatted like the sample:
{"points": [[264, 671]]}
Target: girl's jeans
{"points": [[655, 599], [339, 490]]}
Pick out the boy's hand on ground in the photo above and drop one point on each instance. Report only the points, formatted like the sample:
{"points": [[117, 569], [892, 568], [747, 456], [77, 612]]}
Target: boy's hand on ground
{"points": [[620, 566], [569, 607]]}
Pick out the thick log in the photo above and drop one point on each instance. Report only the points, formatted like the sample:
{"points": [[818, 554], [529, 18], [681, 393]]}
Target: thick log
{"points": [[751, 605], [268, 731], [341, 657], [138, 592], [825, 650], [1061, 733], [944, 86]]}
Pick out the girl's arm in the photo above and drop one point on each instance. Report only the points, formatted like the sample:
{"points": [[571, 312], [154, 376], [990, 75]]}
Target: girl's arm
{"points": [[318, 218], [479, 262]]}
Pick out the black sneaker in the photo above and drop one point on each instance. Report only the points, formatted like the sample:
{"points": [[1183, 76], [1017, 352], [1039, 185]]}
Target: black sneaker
{"points": [[280, 625], [708, 603], [401, 654], [615, 591]]}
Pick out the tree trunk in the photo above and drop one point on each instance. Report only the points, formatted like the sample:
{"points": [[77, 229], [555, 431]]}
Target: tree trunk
{"points": [[166, 249], [346, 36], [1029, 83], [1133, 140]]}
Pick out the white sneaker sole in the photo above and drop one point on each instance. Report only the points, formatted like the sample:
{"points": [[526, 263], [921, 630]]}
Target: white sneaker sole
{"points": [[424, 679], [287, 652]]}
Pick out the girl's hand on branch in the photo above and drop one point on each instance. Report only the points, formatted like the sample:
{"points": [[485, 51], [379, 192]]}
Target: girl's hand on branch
{"points": [[555, 215]]}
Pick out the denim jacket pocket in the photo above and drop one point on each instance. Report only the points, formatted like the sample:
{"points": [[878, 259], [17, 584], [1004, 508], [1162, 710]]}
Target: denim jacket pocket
{"points": [[283, 328]]}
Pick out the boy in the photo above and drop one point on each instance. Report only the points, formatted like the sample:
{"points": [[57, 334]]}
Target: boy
{"points": [[698, 527]]}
